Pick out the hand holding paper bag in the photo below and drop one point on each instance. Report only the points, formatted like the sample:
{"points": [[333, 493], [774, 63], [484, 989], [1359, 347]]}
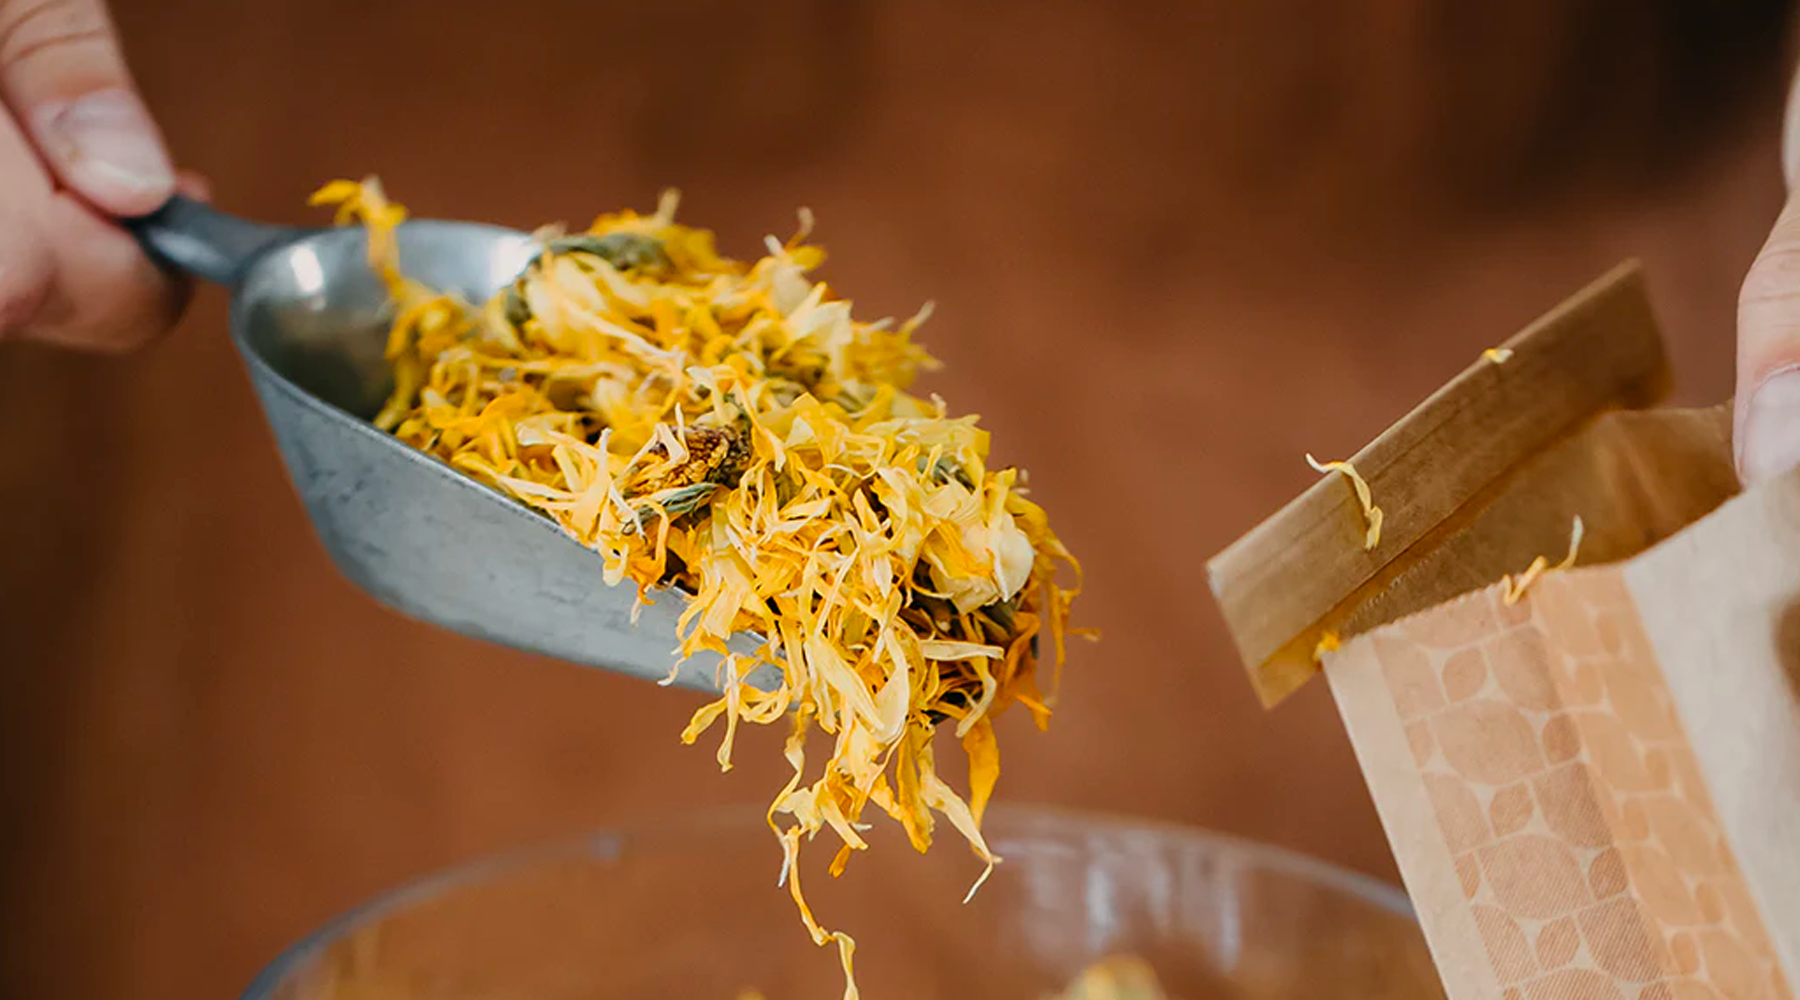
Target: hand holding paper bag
{"points": [[1593, 792]]}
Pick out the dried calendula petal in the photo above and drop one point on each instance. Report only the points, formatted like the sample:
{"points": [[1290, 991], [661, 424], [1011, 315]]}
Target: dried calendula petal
{"points": [[1513, 589], [1371, 513], [1117, 977], [365, 202], [1329, 642], [730, 429], [1498, 355], [1121, 977]]}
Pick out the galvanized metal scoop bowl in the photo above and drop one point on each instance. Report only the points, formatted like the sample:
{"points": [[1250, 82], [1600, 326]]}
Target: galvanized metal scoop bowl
{"points": [[311, 318]]}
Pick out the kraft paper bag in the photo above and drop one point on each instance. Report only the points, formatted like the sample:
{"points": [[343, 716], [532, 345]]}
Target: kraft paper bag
{"points": [[1591, 783]]}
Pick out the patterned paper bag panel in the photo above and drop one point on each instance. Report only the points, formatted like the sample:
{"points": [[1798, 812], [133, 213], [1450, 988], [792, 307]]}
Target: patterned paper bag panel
{"points": [[1545, 804], [1720, 606]]}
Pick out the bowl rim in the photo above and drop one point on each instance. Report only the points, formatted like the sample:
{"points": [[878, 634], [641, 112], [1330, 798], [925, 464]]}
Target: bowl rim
{"points": [[609, 841]]}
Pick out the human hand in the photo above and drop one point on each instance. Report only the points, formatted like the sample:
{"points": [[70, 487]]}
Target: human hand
{"points": [[1767, 425], [77, 150]]}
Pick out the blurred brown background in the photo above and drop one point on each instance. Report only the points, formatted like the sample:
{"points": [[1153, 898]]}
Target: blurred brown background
{"points": [[1174, 246]]}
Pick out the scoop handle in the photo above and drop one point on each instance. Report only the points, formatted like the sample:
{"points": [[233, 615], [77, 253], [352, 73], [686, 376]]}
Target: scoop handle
{"points": [[194, 238]]}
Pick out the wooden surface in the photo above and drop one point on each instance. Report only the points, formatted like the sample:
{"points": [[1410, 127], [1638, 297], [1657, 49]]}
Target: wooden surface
{"points": [[1173, 247]]}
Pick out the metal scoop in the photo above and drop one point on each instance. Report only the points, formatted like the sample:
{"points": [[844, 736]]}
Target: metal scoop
{"points": [[311, 319]]}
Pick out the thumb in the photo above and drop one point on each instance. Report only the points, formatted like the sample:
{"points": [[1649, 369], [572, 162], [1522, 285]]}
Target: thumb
{"points": [[1767, 419], [63, 76], [1768, 355]]}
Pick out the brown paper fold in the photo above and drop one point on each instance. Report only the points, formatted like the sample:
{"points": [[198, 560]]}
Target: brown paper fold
{"points": [[1435, 472], [1593, 792]]}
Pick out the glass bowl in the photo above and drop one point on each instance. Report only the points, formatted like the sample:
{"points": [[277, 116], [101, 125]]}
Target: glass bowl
{"points": [[689, 909]]}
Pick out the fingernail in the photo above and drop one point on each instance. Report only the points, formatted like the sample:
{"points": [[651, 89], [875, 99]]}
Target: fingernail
{"points": [[1772, 427], [108, 150], [1790, 136]]}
